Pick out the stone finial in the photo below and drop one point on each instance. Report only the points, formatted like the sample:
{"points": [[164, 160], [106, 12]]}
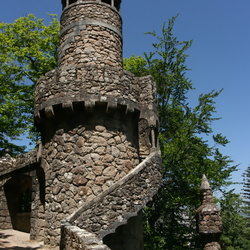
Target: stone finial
{"points": [[206, 192], [205, 184], [209, 219]]}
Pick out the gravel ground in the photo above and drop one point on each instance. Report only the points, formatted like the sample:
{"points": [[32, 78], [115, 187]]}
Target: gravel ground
{"points": [[16, 240]]}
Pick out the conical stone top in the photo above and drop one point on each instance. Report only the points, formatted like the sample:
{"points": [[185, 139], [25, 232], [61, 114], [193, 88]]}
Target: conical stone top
{"points": [[206, 191], [205, 184]]}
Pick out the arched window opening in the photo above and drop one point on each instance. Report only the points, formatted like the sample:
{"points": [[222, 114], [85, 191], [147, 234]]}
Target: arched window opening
{"points": [[114, 3], [107, 1], [63, 3], [72, 1], [144, 138], [117, 4], [66, 3]]}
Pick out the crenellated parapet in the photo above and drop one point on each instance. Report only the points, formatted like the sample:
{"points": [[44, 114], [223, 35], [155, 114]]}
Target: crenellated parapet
{"points": [[126, 91]]}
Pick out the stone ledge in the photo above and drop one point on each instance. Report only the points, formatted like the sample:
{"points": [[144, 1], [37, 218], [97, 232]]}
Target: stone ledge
{"points": [[87, 103], [83, 23], [20, 162]]}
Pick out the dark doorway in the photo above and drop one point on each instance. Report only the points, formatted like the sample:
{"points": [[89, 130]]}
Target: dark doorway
{"points": [[18, 195]]}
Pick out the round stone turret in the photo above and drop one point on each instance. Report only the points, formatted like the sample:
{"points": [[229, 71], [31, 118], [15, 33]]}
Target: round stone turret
{"points": [[91, 33]]}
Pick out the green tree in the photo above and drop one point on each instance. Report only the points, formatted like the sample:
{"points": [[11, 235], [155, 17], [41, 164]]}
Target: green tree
{"points": [[235, 230], [246, 194], [28, 50], [185, 133]]}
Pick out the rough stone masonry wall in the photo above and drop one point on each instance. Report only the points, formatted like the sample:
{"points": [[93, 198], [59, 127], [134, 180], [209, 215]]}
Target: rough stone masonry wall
{"points": [[209, 216], [37, 220], [209, 219], [81, 161], [91, 32], [9, 164], [20, 167], [123, 200], [136, 93], [92, 10], [8, 168], [117, 85], [76, 238], [5, 221], [96, 215]]}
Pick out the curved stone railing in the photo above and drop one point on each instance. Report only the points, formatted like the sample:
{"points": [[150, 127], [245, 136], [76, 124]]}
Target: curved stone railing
{"points": [[111, 209]]}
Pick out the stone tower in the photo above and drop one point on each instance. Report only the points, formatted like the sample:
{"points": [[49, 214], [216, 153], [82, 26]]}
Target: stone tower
{"points": [[99, 150], [209, 218]]}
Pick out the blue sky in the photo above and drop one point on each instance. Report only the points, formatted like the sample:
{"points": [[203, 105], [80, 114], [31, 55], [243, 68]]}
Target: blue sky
{"points": [[219, 57]]}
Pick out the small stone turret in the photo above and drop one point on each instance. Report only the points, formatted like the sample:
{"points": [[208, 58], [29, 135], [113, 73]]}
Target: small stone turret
{"points": [[209, 218]]}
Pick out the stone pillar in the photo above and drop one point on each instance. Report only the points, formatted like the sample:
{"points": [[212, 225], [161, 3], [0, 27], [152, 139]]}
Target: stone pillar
{"points": [[209, 219]]}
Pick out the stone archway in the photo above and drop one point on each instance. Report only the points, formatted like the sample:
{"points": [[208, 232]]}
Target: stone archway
{"points": [[18, 195]]}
